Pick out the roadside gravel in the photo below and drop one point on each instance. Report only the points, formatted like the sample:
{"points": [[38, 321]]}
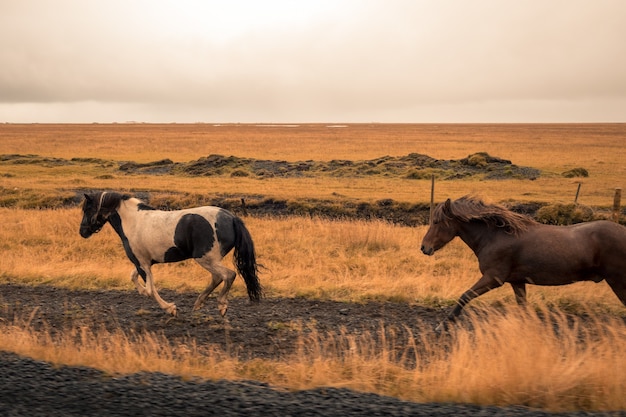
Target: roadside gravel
{"points": [[35, 388]]}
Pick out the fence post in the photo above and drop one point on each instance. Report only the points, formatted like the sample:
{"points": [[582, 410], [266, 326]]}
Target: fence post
{"points": [[577, 192], [243, 206], [616, 204], [432, 199]]}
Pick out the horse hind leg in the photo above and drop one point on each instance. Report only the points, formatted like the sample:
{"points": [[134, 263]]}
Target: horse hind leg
{"points": [[520, 293], [215, 281], [219, 274], [619, 287]]}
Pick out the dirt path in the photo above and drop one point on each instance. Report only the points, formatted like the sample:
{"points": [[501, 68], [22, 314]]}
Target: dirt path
{"points": [[269, 329]]}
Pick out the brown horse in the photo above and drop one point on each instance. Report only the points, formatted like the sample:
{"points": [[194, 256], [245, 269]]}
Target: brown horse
{"points": [[516, 249]]}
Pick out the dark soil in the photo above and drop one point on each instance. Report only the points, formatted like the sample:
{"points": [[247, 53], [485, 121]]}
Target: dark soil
{"points": [[269, 329], [414, 165]]}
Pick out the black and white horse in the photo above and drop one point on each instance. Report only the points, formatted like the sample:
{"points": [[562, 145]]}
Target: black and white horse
{"points": [[151, 236]]}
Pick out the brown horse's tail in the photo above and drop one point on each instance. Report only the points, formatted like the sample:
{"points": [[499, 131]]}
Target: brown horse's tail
{"points": [[245, 260]]}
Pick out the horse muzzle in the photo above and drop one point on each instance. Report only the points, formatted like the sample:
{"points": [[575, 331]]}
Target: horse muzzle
{"points": [[428, 250], [87, 231]]}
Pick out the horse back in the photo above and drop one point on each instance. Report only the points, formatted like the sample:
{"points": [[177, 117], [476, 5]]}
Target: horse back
{"points": [[555, 255], [595, 237], [203, 230], [172, 236], [608, 238]]}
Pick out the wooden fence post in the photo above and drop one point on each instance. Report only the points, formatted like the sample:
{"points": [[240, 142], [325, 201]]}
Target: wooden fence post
{"points": [[243, 206], [432, 199], [577, 192], [616, 204]]}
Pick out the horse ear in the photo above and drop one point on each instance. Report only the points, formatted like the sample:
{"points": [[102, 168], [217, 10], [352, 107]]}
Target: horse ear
{"points": [[87, 197], [447, 205]]}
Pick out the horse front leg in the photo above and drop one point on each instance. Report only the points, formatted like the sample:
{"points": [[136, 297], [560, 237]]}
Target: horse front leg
{"points": [[140, 287], [482, 286], [151, 290]]}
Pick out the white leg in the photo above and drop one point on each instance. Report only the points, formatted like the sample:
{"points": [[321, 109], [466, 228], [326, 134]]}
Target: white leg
{"points": [[151, 290], [140, 287]]}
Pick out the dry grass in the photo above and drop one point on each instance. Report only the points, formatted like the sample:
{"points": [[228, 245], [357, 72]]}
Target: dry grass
{"points": [[520, 357], [551, 148], [538, 359], [339, 260]]}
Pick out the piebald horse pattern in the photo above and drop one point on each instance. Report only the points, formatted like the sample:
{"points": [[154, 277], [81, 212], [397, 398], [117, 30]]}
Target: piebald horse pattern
{"points": [[149, 236]]}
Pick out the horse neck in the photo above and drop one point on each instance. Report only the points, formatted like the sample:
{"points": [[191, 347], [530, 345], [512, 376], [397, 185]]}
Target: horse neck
{"points": [[476, 234], [124, 218]]}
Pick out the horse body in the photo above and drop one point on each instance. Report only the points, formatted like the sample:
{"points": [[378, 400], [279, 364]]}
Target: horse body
{"points": [[556, 255], [149, 236], [515, 249], [150, 231]]}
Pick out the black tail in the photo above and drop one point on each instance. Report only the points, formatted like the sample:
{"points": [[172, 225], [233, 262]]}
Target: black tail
{"points": [[245, 260]]}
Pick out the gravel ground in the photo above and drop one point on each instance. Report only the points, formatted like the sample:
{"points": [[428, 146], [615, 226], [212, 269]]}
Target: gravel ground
{"points": [[35, 388]]}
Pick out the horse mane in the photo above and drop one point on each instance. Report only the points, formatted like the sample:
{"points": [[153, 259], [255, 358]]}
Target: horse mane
{"points": [[109, 201], [469, 208]]}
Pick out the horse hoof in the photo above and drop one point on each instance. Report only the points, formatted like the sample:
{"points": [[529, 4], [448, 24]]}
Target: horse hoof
{"points": [[223, 310], [173, 311]]}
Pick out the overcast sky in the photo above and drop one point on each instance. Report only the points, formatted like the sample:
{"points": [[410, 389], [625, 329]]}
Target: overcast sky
{"points": [[313, 61]]}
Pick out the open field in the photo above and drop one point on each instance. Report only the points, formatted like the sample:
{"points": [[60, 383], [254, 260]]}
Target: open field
{"points": [[343, 280], [553, 149]]}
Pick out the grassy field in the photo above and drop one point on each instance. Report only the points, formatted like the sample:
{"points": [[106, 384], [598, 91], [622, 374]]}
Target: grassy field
{"points": [[340, 260], [553, 149]]}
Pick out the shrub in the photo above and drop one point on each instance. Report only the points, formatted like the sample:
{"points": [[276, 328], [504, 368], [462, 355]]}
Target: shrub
{"points": [[576, 172], [564, 214]]}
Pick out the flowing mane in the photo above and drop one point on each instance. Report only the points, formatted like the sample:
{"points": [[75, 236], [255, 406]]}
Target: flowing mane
{"points": [[468, 208], [513, 248]]}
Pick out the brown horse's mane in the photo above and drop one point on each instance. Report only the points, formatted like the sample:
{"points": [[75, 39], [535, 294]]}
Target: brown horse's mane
{"points": [[470, 208]]}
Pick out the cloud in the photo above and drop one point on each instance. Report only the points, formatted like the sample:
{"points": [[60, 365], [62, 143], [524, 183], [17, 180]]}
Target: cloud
{"points": [[357, 60]]}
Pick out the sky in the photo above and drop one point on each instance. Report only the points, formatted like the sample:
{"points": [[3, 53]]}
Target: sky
{"points": [[301, 61]]}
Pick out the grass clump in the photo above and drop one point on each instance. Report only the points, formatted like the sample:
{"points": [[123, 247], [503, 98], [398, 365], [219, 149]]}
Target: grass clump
{"points": [[564, 214], [576, 172], [29, 198]]}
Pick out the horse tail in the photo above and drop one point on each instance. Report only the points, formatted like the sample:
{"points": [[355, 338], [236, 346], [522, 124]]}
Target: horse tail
{"points": [[245, 260]]}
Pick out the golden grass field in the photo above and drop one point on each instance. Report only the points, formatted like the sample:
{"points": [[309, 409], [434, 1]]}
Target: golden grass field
{"points": [[599, 148], [522, 360]]}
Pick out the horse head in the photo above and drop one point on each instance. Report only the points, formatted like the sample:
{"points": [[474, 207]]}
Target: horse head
{"points": [[442, 228], [96, 211]]}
